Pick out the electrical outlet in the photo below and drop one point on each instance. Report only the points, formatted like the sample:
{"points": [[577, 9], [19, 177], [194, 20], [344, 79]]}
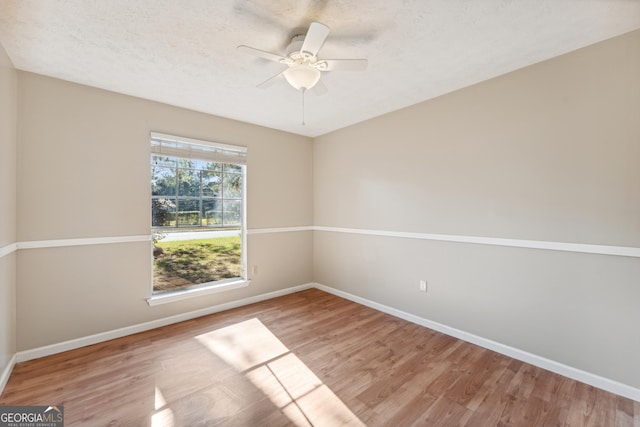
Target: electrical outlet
{"points": [[254, 270], [423, 285]]}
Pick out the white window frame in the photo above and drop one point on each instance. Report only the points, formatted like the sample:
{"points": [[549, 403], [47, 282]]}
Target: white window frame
{"points": [[222, 153]]}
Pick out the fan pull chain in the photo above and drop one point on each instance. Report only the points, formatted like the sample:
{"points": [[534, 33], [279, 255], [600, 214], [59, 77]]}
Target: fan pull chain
{"points": [[303, 91]]}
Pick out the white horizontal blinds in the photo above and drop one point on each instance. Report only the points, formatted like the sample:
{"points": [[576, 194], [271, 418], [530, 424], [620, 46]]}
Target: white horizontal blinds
{"points": [[187, 148]]}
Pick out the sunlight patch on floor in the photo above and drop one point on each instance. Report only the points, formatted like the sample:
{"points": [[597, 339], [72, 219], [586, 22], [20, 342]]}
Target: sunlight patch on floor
{"points": [[243, 345], [250, 347], [164, 415], [160, 401]]}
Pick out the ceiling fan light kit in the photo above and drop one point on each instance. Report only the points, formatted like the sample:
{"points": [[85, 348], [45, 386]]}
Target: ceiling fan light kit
{"points": [[302, 76], [304, 69]]}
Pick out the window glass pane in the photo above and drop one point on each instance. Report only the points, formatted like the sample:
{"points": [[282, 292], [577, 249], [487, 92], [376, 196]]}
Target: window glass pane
{"points": [[163, 212], [163, 161], [213, 167], [232, 168], [212, 212], [232, 186], [188, 212], [189, 182], [198, 164], [163, 181], [211, 184], [232, 212]]}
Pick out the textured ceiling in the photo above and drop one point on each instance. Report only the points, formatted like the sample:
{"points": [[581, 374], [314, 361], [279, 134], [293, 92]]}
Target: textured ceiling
{"points": [[184, 52]]}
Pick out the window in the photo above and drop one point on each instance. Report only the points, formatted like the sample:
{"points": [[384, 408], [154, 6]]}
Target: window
{"points": [[197, 213]]}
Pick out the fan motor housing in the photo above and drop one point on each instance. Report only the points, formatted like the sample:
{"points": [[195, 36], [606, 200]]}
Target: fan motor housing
{"points": [[295, 45], [294, 53]]}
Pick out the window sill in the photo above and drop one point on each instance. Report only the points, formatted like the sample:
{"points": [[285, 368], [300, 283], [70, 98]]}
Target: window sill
{"points": [[167, 297]]}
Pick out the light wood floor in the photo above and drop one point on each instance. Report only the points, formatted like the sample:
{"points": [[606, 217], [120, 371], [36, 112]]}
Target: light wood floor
{"points": [[308, 358]]}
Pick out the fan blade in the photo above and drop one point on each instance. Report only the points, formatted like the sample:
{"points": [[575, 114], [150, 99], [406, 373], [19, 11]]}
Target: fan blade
{"points": [[260, 53], [320, 88], [346, 64], [316, 35], [270, 81]]}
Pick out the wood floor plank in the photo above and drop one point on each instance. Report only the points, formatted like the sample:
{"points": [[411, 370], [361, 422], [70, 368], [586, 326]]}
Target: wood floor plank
{"points": [[445, 413], [624, 412], [499, 366], [308, 358], [561, 395], [477, 372], [404, 408], [582, 407]]}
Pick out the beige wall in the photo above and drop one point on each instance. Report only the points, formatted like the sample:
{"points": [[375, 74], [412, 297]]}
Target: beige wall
{"points": [[8, 107], [550, 152], [83, 171]]}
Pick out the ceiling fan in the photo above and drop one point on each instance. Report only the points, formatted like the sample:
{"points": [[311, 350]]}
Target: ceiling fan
{"points": [[304, 68]]}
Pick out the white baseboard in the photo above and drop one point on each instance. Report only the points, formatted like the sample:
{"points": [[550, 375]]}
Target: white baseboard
{"points": [[541, 362], [6, 373], [35, 353], [594, 380]]}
